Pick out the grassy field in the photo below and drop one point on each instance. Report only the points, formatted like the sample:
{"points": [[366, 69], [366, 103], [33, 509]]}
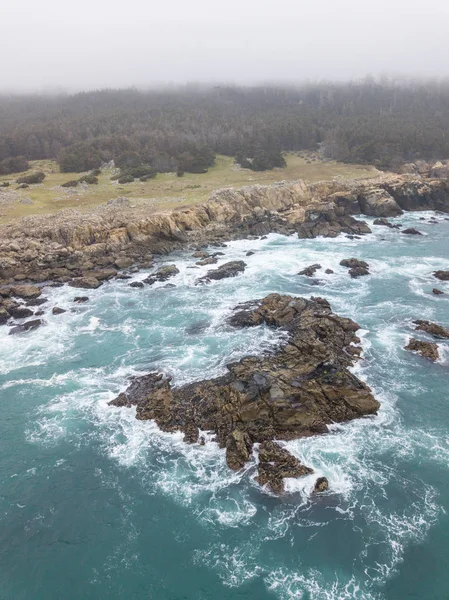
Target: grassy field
{"points": [[161, 193]]}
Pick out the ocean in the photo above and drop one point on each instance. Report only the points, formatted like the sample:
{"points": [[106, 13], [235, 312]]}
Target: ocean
{"points": [[97, 505]]}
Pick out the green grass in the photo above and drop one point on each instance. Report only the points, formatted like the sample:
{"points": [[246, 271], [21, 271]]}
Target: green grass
{"points": [[162, 193]]}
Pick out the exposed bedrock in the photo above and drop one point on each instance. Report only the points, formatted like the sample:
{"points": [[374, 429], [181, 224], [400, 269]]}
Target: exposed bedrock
{"points": [[73, 245], [297, 390]]}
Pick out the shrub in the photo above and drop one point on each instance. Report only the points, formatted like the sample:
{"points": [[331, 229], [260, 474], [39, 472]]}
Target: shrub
{"points": [[22, 186], [4, 184], [15, 164], [71, 183], [37, 177], [90, 179], [180, 173], [126, 179], [140, 171], [148, 177]]}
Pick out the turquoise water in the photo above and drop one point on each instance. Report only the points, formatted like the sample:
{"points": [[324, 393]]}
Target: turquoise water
{"points": [[95, 504]]}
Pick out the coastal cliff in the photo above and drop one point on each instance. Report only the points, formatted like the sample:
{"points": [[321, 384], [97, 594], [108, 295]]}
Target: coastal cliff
{"points": [[71, 244]]}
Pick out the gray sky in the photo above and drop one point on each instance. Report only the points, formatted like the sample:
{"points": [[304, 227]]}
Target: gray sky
{"points": [[85, 44]]}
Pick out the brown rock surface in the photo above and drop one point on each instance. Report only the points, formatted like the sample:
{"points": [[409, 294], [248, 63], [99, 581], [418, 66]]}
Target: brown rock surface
{"points": [[437, 331], [296, 391], [426, 349]]}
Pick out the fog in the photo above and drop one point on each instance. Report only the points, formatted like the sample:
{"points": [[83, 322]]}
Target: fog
{"points": [[52, 45]]}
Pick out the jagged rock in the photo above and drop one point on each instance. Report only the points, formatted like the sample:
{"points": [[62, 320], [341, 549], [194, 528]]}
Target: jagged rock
{"points": [[442, 275], [88, 283], [136, 284], [123, 262], [276, 463], [411, 231], [26, 291], [80, 299], [57, 311], [4, 316], [310, 271], [437, 292], [329, 225], [20, 312], [211, 260], [378, 202], [437, 331], [36, 301], [385, 223], [357, 268], [229, 269], [426, 349], [293, 392], [162, 274], [321, 485], [102, 274], [28, 326]]}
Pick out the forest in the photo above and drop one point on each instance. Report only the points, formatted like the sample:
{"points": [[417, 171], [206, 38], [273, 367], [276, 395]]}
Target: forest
{"points": [[181, 129]]}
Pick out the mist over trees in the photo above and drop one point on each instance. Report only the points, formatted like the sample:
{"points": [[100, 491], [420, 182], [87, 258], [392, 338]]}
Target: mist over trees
{"points": [[384, 123]]}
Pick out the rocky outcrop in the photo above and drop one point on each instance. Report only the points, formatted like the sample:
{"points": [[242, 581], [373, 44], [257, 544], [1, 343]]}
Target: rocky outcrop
{"points": [[296, 391], [71, 244], [385, 223], [321, 485], [441, 275], [357, 268], [86, 283], [438, 331], [229, 269], [411, 231], [426, 349], [310, 270], [162, 274]]}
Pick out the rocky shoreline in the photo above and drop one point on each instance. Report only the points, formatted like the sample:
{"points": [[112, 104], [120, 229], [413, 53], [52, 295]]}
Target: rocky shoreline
{"points": [[296, 391]]}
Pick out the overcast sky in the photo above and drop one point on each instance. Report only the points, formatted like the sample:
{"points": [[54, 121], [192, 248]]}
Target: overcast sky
{"points": [[89, 44]]}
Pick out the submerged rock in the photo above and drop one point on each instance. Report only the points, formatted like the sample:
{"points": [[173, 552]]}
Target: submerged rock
{"points": [[426, 349], [162, 274], [411, 231], [437, 292], [57, 311], [28, 326], [310, 271], [80, 299], [136, 284], [437, 331], [230, 269], [297, 391]]}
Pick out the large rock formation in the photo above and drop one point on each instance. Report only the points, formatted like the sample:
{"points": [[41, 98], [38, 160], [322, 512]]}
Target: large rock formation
{"points": [[296, 391], [72, 245]]}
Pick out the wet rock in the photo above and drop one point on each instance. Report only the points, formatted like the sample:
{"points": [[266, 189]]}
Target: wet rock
{"points": [[275, 464], [426, 349], [297, 391], [329, 225], [385, 223], [437, 331], [162, 274], [357, 268], [39, 313], [250, 253], [123, 262], [211, 260], [197, 327], [200, 254], [57, 311], [230, 269], [437, 292], [28, 326], [310, 271], [329, 271], [321, 485], [123, 276], [411, 231], [80, 299], [88, 283], [136, 284], [442, 275], [26, 291], [4, 316], [102, 274], [36, 301], [20, 312]]}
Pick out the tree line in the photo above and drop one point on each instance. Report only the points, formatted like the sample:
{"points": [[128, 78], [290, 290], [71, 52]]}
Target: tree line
{"points": [[384, 123]]}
